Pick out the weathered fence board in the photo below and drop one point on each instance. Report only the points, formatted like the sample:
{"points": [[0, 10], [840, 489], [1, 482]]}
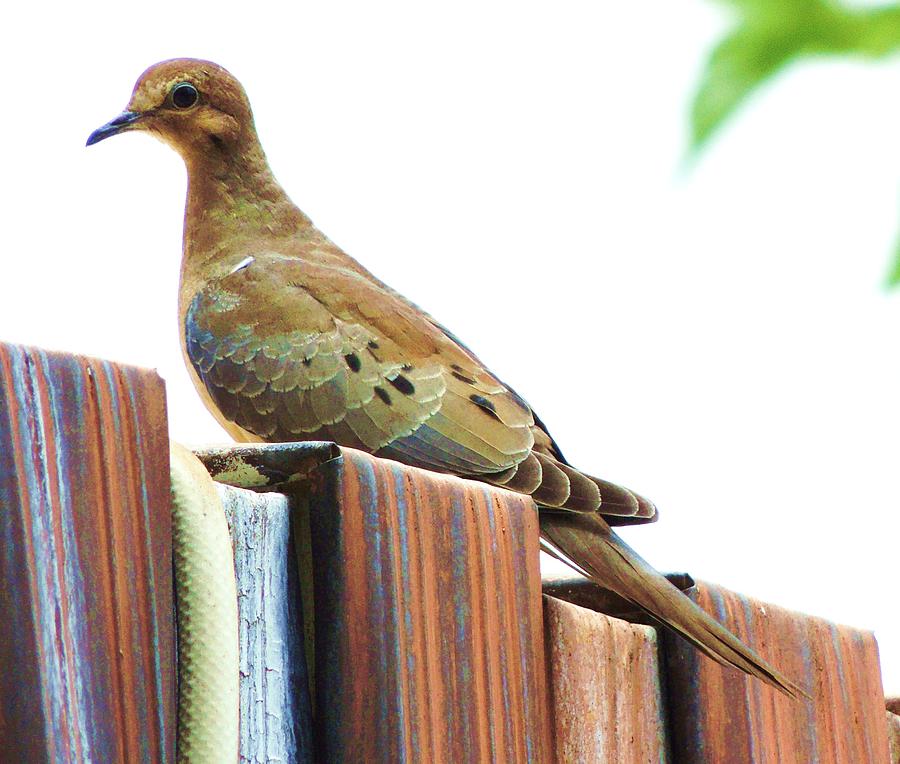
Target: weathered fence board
{"points": [[427, 617], [605, 697], [86, 637], [428, 628], [428, 639], [718, 714], [276, 722]]}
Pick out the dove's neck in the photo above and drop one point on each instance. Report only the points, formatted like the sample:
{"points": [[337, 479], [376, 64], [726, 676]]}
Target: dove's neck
{"points": [[234, 205], [232, 195], [235, 209]]}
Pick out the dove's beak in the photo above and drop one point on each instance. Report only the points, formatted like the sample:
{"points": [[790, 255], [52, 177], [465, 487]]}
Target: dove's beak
{"points": [[118, 125]]}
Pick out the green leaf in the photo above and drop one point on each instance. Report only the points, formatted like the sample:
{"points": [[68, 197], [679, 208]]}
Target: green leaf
{"points": [[893, 277], [737, 66], [770, 34]]}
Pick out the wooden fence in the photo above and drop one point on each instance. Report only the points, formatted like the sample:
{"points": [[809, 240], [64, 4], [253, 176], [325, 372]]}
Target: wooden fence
{"points": [[386, 614]]}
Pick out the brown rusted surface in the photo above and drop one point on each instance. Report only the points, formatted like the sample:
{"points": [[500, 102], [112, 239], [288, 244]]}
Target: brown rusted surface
{"points": [[892, 704], [718, 714], [86, 637], [893, 725], [603, 677], [427, 617]]}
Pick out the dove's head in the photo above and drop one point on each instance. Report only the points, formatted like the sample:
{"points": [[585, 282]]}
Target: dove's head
{"points": [[197, 107]]}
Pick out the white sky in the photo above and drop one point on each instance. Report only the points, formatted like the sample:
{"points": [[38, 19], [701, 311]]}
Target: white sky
{"points": [[718, 339]]}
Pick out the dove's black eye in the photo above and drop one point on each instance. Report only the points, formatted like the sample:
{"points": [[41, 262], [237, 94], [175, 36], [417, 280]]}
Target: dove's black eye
{"points": [[184, 95]]}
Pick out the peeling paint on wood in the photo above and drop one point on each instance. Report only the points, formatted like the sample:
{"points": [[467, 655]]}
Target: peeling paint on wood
{"points": [[605, 696], [428, 617], [276, 722], [86, 637]]}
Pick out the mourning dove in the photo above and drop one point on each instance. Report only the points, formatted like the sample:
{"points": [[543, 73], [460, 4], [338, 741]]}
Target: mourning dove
{"points": [[288, 338]]}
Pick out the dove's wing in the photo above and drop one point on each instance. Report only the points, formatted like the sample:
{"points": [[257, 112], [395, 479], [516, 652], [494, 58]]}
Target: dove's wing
{"points": [[290, 349]]}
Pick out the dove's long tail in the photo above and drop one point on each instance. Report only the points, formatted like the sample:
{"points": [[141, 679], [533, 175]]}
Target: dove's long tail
{"points": [[588, 541]]}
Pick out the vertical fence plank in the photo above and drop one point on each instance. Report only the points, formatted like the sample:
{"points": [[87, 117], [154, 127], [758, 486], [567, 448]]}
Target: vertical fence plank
{"points": [[605, 698], [429, 645], [427, 617], [86, 638], [719, 714], [275, 709]]}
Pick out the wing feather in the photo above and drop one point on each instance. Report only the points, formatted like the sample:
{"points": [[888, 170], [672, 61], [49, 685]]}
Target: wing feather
{"points": [[290, 349]]}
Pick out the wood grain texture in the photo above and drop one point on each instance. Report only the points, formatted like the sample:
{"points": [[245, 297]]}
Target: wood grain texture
{"points": [[605, 698], [86, 638], [428, 617], [275, 707], [718, 715]]}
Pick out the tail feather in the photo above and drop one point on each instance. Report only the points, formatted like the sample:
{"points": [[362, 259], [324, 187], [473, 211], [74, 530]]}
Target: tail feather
{"points": [[589, 542], [551, 482]]}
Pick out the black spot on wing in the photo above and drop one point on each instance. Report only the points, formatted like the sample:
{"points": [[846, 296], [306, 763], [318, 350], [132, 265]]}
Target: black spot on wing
{"points": [[485, 405], [353, 362], [463, 378], [402, 384], [520, 401], [383, 394]]}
